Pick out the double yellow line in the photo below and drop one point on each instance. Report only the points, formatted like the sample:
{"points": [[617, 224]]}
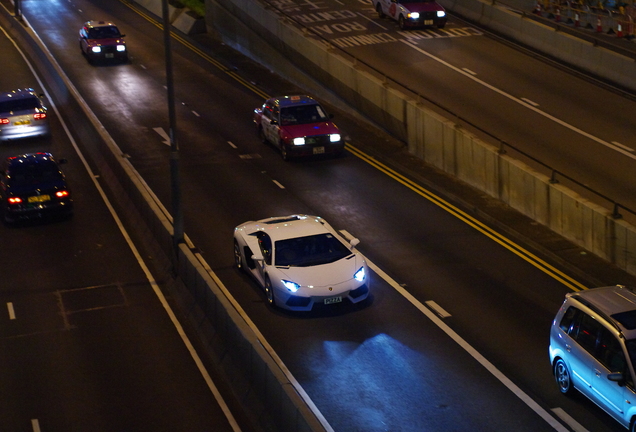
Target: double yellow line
{"points": [[526, 255]]}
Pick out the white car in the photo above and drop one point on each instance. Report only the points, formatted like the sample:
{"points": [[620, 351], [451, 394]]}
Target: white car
{"points": [[300, 261]]}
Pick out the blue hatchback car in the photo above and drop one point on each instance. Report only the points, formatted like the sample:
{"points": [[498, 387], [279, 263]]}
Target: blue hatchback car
{"points": [[32, 186]]}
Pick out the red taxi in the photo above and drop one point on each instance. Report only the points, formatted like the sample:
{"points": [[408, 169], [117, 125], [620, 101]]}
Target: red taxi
{"points": [[412, 13], [298, 126]]}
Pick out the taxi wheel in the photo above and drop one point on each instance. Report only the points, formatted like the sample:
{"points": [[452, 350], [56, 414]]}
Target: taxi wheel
{"points": [[379, 11], [402, 23], [261, 135], [283, 152]]}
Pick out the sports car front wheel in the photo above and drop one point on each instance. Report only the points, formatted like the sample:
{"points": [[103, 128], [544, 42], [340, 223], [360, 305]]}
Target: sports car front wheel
{"points": [[269, 292], [238, 258]]}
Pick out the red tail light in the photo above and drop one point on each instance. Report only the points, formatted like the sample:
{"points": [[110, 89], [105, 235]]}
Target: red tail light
{"points": [[62, 194], [15, 200], [4, 121], [39, 116]]}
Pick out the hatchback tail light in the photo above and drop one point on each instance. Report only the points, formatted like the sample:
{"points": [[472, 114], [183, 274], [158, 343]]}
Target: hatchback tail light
{"points": [[39, 116], [4, 121], [62, 194], [15, 200]]}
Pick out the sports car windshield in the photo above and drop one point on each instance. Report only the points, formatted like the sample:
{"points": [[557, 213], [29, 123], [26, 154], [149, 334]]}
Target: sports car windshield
{"points": [[302, 114], [309, 251]]}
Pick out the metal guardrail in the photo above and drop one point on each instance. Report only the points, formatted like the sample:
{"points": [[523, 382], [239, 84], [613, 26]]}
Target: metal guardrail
{"points": [[555, 174]]}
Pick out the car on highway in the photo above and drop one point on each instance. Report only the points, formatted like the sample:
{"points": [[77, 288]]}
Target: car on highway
{"points": [[593, 348], [300, 261], [32, 185], [22, 115], [412, 13], [102, 40], [298, 126]]}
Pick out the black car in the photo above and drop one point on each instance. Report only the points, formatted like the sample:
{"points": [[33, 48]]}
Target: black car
{"points": [[33, 185]]}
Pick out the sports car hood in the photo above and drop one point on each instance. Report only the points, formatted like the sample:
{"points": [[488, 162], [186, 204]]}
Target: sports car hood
{"points": [[423, 7], [310, 129], [324, 274]]}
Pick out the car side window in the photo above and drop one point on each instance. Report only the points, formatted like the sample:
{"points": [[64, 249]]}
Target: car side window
{"points": [[588, 333], [265, 244], [568, 319], [610, 353]]}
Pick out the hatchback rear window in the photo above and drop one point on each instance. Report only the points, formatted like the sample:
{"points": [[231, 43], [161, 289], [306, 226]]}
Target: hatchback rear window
{"points": [[627, 319], [21, 104], [41, 172]]}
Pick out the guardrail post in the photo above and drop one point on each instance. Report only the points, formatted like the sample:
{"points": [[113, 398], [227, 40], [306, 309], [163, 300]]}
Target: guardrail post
{"points": [[615, 213], [553, 178]]}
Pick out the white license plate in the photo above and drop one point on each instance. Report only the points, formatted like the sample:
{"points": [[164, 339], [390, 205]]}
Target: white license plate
{"points": [[109, 55], [332, 300], [428, 22], [319, 150]]}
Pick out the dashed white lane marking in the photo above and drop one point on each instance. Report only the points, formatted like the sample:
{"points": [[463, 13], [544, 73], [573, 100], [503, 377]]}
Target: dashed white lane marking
{"points": [[278, 184], [437, 309], [232, 144], [196, 113], [35, 424], [142, 66], [11, 311], [531, 403], [574, 425]]}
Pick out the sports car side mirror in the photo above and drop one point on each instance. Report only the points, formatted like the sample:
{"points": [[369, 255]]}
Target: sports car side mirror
{"points": [[354, 242]]}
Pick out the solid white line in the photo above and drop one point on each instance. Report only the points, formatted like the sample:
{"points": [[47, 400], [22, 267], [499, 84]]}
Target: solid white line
{"points": [[574, 425], [278, 184], [533, 103], [616, 143], [466, 346], [521, 102], [142, 264], [35, 424], [11, 311], [469, 71], [437, 309]]}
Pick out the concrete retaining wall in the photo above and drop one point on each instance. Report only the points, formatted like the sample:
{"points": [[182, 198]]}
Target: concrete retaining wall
{"points": [[268, 394], [249, 23]]}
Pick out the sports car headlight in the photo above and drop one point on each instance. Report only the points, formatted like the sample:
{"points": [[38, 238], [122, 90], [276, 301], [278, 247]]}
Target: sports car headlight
{"points": [[441, 14], [291, 286], [334, 137], [121, 48], [299, 141], [359, 275], [96, 49], [414, 15]]}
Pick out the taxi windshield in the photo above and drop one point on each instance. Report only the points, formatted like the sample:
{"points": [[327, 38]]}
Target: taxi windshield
{"points": [[105, 32], [302, 114]]}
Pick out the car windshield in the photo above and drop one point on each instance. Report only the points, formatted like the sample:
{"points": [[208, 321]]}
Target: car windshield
{"points": [[309, 251], [103, 32], [29, 174], [20, 104], [302, 114]]}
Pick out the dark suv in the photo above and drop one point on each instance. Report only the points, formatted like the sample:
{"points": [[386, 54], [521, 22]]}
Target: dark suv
{"points": [[22, 115]]}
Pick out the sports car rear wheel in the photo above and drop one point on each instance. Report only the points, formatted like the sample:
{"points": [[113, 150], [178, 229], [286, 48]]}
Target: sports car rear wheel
{"points": [[379, 11], [238, 258], [269, 292]]}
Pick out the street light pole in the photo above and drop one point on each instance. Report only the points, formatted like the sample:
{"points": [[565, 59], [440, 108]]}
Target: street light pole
{"points": [[177, 212]]}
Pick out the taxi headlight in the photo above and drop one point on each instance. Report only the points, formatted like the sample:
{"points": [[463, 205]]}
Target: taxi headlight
{"points": [[121, 48], [414, 15], [299, 141], [96, 49], [441, 14], [334, 137]]}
